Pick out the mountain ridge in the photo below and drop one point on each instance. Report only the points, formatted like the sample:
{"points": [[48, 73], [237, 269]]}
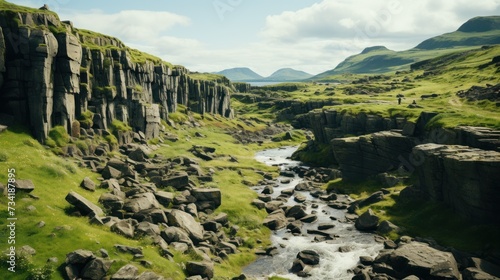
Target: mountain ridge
{"points": [[245, 74], [475, 32]]}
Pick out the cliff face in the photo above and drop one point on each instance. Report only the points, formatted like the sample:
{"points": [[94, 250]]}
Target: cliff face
{"points": [[330, 124], [464, 178], [50, 73]]}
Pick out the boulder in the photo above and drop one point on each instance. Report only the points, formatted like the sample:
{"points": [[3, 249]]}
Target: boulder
{"points": [[472, 273], [110, 173], [124, 228], [164, 198], [420, 259], [79, 257], [140, 154], [296, 211], [24, 185], [368, 221], [96, 269], [148, 275], [88, 184], [83, 205], [140, 202], [111, 201], [276, 220], [175, 234], [147, 229], [310, 257], [127, 272], [185, 221], [209, 198], [204, 269], [177, 182]]}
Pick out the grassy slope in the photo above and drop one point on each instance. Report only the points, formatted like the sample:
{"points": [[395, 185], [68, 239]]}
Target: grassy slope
{"points": [[460, 72], [383, 61], [54, 177]]}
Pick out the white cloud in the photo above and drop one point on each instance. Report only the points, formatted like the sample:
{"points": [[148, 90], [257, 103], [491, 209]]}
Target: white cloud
{"points": [[129, 25], [374, 19]]}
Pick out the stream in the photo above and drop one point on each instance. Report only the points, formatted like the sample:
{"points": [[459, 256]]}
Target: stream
{"points": [[333, 264]]}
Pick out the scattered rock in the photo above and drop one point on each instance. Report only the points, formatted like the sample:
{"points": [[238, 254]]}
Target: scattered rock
{"points": [[83, 205], [88, 184], [24, 186], [187, 222], [203, 269], [368, 221], [127, 272]]}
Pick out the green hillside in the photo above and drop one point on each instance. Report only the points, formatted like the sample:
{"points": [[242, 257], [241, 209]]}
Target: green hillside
{"points": [[476, 32]]}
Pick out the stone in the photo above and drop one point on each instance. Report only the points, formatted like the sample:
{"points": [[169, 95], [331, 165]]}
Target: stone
{"points": [[212, 196], [96, 269], [472, 273], [79, 257], [140, 202], [26, 251], [24, 186], [275, 220], [148, 275], [204, 269], [296, 211], [368, 221], [268, 190], [366, 260], [83, 205], [299, 198], [386, 227], [311, 218], [175, 234], [88, 184], [111, 173], [421, 260], [164, 198], [187, 222], [177, 182], [111, 201], [128, 249], [147, 229], [127, 272], [123, 228], [309, 257], [140, 154], [258, 203]]}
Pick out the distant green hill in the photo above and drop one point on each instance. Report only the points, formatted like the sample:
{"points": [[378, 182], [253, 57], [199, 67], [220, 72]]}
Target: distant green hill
{"points": [[240, 74], [476, 32], [288, 74]]}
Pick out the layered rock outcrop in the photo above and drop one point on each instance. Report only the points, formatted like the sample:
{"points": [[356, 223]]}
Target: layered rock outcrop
{"points": [[330, 124], [464, 178], [50, 73], [368, 155]]}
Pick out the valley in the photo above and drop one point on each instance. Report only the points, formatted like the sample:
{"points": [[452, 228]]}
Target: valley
{"points": [[130, 167]]}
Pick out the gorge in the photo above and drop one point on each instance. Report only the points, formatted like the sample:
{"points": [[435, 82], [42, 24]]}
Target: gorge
{"points": [[129, 167]]}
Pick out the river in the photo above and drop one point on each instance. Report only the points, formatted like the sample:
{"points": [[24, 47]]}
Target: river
{"points": [[333, 264]]}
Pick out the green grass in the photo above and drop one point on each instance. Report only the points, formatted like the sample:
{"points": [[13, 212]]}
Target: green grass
{"points": [[54, 177], [58, 136], [117, 125]]}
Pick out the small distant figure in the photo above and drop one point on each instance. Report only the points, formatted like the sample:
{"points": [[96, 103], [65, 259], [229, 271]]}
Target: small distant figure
{"points": [[414, 102], [45, 7], [399, 100]]}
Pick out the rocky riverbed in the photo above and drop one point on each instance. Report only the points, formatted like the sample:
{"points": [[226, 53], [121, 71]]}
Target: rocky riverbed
{"points": [[322, 229], [314, 236]]}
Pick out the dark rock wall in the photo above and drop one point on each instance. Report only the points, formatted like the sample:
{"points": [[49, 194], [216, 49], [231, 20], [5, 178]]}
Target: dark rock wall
{"points": [[464, 178], [50, 74], [330, 124], [368, 155]]}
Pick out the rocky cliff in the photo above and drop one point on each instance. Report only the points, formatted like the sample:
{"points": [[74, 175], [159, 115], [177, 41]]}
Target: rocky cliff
{"points": [[51, 72], [463, 177], [329, 124]]}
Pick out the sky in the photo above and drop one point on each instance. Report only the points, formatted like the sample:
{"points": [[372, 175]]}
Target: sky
{"points": [[308, 35]]}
